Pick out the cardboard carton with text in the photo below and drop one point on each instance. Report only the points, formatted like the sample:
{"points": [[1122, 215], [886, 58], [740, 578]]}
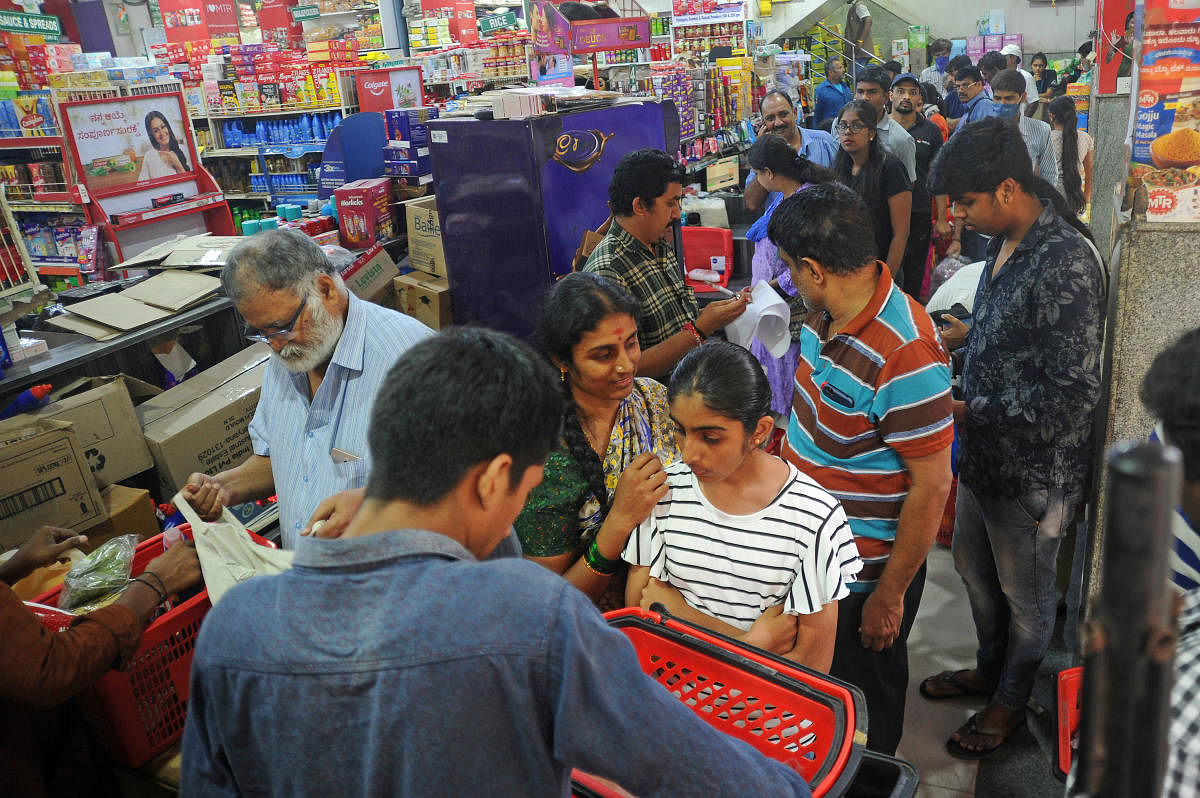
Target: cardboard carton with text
{"points": [[102, 410], [201, 424], [44, 479]]}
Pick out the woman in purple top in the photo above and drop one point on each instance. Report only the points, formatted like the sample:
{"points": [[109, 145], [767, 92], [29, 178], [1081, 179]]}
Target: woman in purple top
{"points": [[782, 173]]}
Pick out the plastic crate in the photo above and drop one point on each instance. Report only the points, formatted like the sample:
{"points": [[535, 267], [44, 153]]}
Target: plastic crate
{"points": [[882, 776], [805, 719], [1069, 698], [138, 711], [700, 246]]}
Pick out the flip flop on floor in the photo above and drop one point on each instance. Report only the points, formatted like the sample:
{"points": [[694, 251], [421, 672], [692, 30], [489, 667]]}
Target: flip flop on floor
{"points": [[952, 679], [956, 749]]}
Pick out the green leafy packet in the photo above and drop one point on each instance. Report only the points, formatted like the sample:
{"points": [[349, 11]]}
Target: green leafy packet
{"points": [[104, 570]]}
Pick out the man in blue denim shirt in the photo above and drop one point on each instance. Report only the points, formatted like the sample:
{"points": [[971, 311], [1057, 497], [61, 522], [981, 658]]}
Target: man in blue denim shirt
{"points": [[392, 661], [1031, 381]]}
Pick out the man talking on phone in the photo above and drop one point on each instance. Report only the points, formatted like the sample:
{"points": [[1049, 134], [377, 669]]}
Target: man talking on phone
{"points": [[330, 352]]}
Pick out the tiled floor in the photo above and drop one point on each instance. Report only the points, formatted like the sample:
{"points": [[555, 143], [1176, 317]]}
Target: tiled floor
{"points": [[943, 637]]}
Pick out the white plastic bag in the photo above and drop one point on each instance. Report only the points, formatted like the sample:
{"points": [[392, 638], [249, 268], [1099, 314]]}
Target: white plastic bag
{"points": [[227, 554]]}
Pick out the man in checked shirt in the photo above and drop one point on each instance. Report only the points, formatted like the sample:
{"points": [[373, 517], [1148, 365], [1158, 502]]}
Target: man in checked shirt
{"points": [[644, 199]]}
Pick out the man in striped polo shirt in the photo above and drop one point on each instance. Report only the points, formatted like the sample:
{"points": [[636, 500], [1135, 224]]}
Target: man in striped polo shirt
{"points": [[872, 422]]}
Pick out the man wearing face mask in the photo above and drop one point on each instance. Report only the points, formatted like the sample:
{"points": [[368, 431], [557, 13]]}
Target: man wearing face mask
{"points": [[1012, 60], [939, 51], [1008, 92], [779, 117]]}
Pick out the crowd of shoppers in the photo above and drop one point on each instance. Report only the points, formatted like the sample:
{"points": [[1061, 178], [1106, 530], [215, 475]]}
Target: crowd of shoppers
{"points": [[624, 490]]}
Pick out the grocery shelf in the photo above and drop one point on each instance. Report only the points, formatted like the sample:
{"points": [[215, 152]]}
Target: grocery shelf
{"points": [[249, 196], [26, 142], [707, 161], [287, 150], [627, 64], [290, 112], [367, 10], [291, 150], [44, 207], [461, 79]]}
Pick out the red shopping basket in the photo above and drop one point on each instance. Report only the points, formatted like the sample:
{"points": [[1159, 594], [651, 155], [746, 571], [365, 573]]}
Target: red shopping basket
{"points": [[1070, 702], [700, 246], [138, 711], [807, 720]]}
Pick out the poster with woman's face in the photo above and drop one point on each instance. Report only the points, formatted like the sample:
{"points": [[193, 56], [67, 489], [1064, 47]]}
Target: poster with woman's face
{"points": [[130, 143]]}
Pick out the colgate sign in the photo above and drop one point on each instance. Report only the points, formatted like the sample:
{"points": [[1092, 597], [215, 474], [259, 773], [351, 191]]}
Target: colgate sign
{"points": [[383, 89], [376, 88]]}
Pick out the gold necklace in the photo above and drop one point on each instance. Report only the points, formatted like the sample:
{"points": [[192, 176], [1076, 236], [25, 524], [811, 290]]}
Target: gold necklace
{"points": [[595, 446], [583, 424]]}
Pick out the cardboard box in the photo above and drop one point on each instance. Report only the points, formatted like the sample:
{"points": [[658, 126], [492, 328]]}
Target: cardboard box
{"points": [[201, 424], [425, 298], [370, 276], [364, 212], [407, 125], [101, 408], [425, 236], [45, 479], [130, 511]]}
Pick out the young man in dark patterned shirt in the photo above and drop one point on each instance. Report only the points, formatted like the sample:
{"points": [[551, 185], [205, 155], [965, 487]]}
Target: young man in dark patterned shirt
{"points": [[644, 199], [1031, 381]]}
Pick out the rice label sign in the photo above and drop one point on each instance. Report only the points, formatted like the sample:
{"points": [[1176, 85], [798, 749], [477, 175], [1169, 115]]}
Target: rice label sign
{"points": [[301, 13], [30, 23], [498, 22]]}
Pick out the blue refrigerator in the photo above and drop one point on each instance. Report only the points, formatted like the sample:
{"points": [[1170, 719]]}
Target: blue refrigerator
{"points": [[515, 196]]}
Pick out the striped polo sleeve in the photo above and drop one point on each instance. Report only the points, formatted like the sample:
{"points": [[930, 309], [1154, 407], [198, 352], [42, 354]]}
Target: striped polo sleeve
{"points": [[912, 406]]}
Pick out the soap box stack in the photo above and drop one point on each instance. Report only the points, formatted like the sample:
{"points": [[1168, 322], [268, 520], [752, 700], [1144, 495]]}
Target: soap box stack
{"points": [[406, 155]]}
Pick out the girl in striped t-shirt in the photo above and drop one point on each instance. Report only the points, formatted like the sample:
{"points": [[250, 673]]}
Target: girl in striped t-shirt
{"points": [[742, 536]]}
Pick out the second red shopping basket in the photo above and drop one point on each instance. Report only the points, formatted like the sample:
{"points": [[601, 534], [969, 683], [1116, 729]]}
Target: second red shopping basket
{"points": [[138, 711], [1069, 698], [807, 720]]}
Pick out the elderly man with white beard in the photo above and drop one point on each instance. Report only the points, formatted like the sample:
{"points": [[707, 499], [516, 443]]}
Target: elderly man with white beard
{"points": [[331, 352]]}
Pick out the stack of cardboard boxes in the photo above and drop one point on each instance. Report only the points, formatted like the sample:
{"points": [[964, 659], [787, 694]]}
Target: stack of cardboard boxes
{"points": [[62, 464], [425, 293]]}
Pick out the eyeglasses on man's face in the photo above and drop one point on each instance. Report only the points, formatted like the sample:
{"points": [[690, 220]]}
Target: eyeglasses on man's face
{"points": [[964, 86], [286, 331], [850, 127]]}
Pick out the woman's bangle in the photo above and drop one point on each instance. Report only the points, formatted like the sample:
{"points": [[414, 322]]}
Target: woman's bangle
{"points": [[695, 331], [592, 568], [597, 563], [161, 595]]}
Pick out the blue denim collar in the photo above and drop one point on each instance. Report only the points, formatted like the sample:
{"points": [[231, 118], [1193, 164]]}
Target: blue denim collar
{"points": [[378, 548]]}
